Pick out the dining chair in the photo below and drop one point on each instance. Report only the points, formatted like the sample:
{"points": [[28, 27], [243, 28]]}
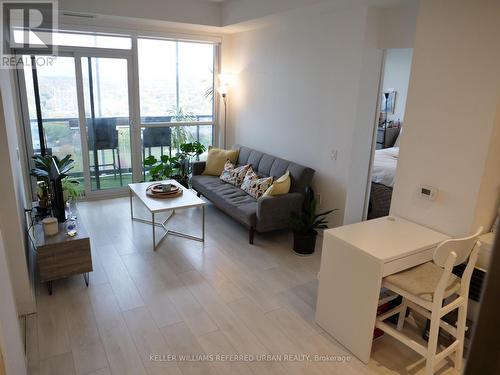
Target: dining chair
{"points": [[432, 290]]}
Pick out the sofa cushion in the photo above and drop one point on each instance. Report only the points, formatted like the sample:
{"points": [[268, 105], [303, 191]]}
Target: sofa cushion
{"points": [[217, 158], [231, 199], [268, 165], [254, 185], [254, 159], [232, 175], [280, 186]]}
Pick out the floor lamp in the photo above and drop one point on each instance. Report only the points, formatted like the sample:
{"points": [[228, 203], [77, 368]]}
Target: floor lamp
{"points": [[224, 80], [223, 92]]}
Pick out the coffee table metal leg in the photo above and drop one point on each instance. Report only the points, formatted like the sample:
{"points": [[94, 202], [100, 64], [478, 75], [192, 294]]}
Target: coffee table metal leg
{"points": [[131, 207], [86, 278], [153, 226], [203, 223]]}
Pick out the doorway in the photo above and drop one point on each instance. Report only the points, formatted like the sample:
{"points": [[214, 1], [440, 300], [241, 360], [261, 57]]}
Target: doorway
{"points": [[388, 129]]}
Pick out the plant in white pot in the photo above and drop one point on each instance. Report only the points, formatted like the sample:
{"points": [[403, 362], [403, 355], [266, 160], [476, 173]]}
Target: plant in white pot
{"points": [[305, 224]]}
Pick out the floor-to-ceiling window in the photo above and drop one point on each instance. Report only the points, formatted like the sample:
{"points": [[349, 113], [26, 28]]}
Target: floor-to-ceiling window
{"points": [[176, 81], [82, 103]]}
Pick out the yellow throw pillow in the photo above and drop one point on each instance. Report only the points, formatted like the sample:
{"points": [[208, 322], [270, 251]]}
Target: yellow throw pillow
{"points": [[217, 158], [280, 186]]}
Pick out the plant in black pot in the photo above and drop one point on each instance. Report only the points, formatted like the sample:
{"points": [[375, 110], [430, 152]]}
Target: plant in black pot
{"points": [[189, 151], [43, 166], [305, 224]]}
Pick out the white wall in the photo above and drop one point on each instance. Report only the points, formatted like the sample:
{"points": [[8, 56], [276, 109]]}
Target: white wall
{"points": [[12, 221], [450, 116], [397, 26], [11, 343], [396, 75], [489, 193], [302, 91]]}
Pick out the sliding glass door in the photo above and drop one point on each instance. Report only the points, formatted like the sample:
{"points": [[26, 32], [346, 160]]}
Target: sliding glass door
{"points": [[106, 98], [80, 105]]}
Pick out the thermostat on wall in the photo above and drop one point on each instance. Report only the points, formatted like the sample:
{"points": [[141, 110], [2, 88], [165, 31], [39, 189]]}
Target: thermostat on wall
{"points": [[428, 192]]}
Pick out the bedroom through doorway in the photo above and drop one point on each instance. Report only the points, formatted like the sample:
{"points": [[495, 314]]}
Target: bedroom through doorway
{"points": [[389, 127]]}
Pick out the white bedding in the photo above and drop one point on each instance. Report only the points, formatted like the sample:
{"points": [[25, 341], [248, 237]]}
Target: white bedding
{"points": [[384, 166]]}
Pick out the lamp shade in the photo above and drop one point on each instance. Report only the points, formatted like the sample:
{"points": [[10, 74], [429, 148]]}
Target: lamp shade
{"points": [[222, 89], [225, 81]]}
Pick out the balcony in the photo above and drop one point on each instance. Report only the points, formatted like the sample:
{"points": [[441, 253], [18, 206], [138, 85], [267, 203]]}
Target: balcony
{"points": [[110, 159]]}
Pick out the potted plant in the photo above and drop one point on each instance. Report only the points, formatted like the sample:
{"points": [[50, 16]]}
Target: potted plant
{"points": [[174, 167], [189, 151], [167, 167], [72, 189], [305, 224], [43, 165]]}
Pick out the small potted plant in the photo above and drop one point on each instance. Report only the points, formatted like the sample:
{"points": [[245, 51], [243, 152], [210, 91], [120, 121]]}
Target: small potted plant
{"points": [[189, 151], [72, 189], [305, 224], [43, 165]]}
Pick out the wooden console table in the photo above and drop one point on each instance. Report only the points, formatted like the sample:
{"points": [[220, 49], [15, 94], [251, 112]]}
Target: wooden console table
{"points": [[61, 256]]}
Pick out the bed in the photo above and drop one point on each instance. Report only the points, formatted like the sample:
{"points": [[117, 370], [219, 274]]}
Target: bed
{"points": [[383, 173]]}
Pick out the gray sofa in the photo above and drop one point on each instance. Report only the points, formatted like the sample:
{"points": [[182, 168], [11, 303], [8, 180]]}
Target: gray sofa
{"points": [[264, 214]]}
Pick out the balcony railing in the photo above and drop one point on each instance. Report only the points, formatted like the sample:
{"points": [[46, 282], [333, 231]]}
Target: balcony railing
{"points": [[114, 161]]}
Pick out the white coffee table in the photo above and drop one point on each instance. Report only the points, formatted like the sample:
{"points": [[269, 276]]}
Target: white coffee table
{"points": [[155, 205]]}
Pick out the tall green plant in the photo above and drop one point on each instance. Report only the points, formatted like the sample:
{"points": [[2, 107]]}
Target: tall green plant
{"points": [[162, 169], [178, 166], [308, 221]]}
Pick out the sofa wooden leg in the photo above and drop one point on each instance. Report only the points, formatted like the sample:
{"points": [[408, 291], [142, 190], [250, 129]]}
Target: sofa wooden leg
{"points": [[251, 234]]}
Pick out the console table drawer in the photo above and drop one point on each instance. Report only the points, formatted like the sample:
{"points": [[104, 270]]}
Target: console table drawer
{"points": [[65, 259]]}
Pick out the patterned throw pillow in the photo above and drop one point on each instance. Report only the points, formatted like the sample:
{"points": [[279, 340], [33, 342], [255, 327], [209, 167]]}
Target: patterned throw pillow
{"points": [[254, 185], [233, 175]]}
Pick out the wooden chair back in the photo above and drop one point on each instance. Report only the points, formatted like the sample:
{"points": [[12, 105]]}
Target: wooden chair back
{"points": [[462, 247]]}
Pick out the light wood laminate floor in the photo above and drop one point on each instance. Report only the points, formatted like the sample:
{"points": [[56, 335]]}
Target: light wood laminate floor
{"points": [[223, 296]]}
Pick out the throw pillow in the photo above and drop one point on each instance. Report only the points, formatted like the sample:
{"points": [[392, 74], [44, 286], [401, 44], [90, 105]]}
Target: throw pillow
{"points": [[254, 185], [217, 158], [232, 175], [280, 186]]}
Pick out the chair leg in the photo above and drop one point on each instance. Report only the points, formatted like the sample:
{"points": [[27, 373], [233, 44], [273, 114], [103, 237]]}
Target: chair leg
{"points": [[461, 322], [251, 234], [432, 344], [402, 314]]}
